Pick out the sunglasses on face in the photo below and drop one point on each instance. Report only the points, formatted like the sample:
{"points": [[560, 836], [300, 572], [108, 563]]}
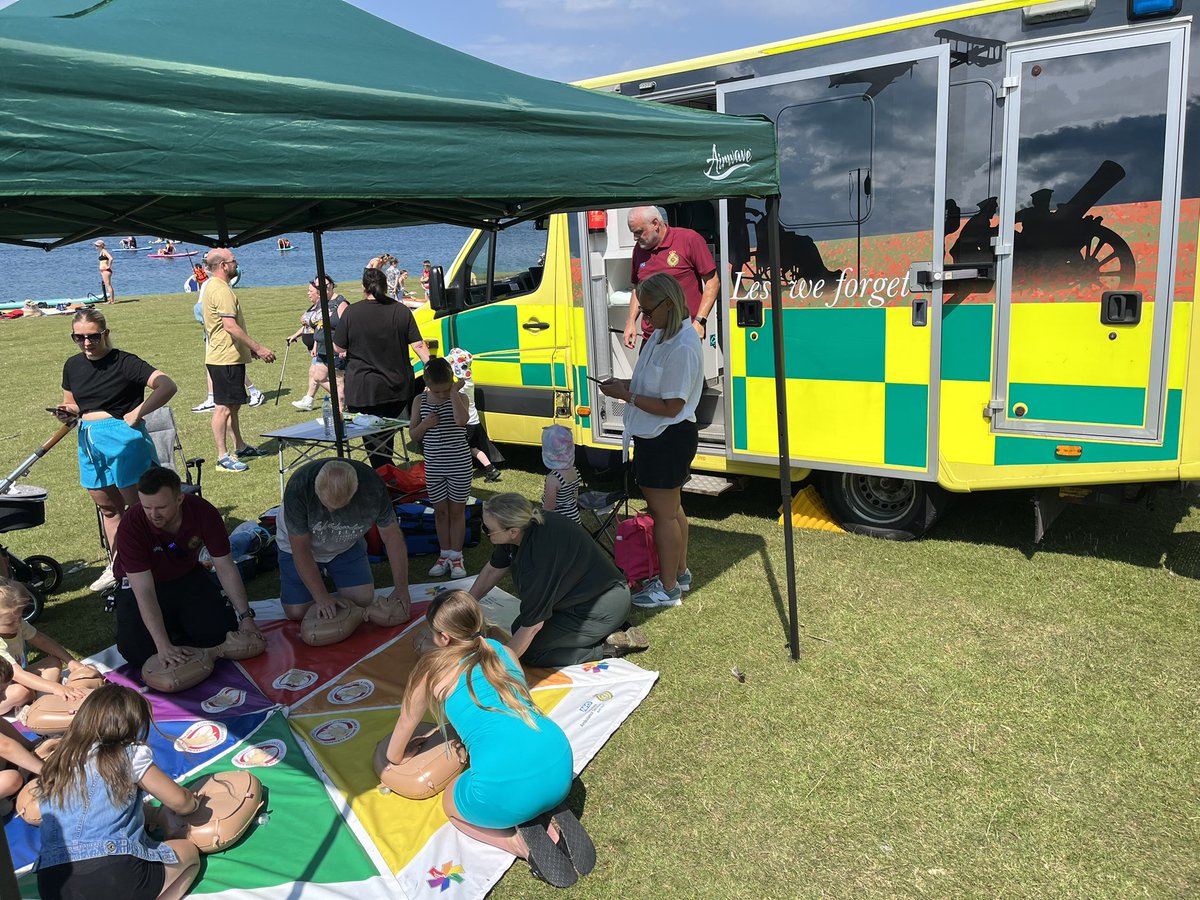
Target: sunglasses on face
{"points": [[95, 336]]}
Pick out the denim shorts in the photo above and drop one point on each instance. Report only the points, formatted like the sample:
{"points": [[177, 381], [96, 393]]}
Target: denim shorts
{"points": [[349, 568], [111, 454]]}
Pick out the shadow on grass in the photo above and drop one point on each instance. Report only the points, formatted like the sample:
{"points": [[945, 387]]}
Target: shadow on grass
{"points": [[1135, 535]]}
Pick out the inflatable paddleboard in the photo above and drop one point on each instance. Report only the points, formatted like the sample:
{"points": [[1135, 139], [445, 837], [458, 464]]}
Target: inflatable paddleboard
{"points": [[126, 249], [171, 255], [51, 304], [286, 249]]}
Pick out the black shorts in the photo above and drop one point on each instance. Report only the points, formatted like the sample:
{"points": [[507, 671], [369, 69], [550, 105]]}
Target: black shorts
{"points": [[127, 877], [665, 461], [194, 611], [229, 384], [476, 437]]}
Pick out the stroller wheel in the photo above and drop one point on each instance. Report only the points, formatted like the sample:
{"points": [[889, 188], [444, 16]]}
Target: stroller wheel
{"points": [[46, 575], [36, 606]]}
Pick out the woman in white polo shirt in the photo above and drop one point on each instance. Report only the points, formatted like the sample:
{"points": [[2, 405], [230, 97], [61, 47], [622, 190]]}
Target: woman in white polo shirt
{"points": [[660, 418]]}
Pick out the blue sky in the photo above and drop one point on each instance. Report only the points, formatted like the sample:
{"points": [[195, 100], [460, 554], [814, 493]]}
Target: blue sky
{"points": [[571, 39]]}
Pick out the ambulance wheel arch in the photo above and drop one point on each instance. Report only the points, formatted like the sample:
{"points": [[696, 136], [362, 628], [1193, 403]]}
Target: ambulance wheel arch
{"points": [[882, 506]]}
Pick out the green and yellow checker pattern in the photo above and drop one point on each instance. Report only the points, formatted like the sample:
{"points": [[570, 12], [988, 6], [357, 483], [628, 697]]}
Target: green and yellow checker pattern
{"points": [[858, 387], [1109, 390]]}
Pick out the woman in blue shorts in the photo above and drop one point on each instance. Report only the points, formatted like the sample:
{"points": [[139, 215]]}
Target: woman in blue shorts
{"points": [[105, 390], [511, 795]]}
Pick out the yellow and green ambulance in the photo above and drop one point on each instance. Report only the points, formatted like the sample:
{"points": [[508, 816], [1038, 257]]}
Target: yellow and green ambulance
{"points": [[988, 248]]}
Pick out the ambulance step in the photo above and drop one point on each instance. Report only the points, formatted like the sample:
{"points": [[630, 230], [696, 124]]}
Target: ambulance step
{"points": [[709, 485]]}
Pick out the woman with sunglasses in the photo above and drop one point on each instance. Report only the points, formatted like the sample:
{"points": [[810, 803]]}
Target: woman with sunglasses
{"points": [[574, 601], [660, 421], [105, 390]]}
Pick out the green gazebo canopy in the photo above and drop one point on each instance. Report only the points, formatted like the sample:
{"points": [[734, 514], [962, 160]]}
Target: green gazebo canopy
{"points": [[244, 120]]}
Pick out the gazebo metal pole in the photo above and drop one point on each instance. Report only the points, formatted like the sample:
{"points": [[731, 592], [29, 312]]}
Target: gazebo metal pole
{"points": [[339, 427], [781, 405]]}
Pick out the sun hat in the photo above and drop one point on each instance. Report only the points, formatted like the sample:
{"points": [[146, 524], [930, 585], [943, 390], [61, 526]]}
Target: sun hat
{"points": [[558, 447], [460, 362]]}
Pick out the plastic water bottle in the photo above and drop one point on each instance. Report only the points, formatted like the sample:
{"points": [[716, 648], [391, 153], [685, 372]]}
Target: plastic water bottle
{"points": [[327, 416]]}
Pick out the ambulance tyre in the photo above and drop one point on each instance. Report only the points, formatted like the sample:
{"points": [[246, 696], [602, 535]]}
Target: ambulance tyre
{"points": [[895, 509]]}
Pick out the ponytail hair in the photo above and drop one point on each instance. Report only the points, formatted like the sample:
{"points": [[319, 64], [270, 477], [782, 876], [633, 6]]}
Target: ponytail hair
{"points": [[513, 510], [459, 616], [109, 720]]}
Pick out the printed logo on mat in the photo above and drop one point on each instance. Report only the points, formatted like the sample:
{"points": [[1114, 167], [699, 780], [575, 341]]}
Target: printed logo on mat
{"points": [[263, 755], [294, 680], [335, 731], [445, 875], [352, 692], [226, 698], [592, 707], [595, 668], [201, 736]]}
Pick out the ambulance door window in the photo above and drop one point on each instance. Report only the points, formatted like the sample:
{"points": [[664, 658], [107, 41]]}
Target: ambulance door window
{"points": [[520, 263]]}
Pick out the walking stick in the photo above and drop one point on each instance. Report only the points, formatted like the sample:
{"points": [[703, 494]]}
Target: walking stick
{"points": [[282, 369]]}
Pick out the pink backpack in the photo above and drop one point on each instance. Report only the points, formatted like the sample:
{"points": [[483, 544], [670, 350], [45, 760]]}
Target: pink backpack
{"points": [[634, 549]]}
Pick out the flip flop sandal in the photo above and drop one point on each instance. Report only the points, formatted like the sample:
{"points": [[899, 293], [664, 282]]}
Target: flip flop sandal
{"points": [[547, 860], [580, 849]]}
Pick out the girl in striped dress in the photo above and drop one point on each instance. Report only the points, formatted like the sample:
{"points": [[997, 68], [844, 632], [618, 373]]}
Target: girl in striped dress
{"points": [[440, 423], [561, 494]]}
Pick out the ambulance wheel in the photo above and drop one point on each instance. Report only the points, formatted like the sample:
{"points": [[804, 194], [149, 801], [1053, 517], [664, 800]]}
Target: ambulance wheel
{"points": [[882, 506]]}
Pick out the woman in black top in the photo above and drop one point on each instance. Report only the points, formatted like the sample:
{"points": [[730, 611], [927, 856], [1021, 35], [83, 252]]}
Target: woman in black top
{"points": [[375, 335], [104, 389], [574, 602]]}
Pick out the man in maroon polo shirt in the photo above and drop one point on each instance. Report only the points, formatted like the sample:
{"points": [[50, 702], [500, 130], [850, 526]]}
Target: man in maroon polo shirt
{"points": [[166, 602], [681, 253]]}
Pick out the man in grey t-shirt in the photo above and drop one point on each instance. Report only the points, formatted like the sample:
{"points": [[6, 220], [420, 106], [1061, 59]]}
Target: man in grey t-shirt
{"points": [[328, 505]]}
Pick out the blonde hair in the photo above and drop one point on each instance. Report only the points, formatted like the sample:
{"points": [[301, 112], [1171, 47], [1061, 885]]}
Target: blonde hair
{"points": [[93, 316], [336, 483], [663, 288], [14, 596], [512, 510], [110, 719], [459, 616]]}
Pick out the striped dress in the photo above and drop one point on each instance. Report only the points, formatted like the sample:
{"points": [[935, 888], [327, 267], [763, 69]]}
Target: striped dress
{"points": [[566, 499], [447, 455]]}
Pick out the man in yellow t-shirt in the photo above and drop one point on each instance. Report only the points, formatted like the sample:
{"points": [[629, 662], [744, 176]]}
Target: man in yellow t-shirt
{"points": [[230, 347]]}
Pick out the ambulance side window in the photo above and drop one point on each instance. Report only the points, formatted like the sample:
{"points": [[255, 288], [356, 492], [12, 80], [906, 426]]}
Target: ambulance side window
{"points": [[520, 262]]}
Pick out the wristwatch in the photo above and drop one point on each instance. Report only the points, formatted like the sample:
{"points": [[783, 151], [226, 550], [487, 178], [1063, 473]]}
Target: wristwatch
{"points": [[703, 320], [248, 614]]}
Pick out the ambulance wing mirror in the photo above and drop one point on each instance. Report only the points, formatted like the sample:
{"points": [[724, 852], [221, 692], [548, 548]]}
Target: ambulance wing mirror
{"points": [[438, 298]]}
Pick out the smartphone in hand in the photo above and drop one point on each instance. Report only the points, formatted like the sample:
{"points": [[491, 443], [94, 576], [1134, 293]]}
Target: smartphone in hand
{"points": [[599, 380]]}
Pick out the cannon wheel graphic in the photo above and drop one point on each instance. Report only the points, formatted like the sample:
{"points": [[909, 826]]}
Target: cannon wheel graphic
{"points": [[1106, 259]]}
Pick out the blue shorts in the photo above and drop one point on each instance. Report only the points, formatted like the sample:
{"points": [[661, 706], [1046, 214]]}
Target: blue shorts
{"points": [[349, 568], [111, 454]]}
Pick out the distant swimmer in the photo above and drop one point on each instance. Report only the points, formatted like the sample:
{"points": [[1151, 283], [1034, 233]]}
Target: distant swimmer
{"points": [[106, 261], [284, 244]]}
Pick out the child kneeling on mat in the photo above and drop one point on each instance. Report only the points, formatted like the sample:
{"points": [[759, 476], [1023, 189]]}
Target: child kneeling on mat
{"points": [[16, 751], [42, 677], [511, 794], [94, 841]]}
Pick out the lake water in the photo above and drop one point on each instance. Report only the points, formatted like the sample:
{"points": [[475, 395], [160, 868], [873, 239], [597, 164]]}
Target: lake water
{"points": [[28, 274]]}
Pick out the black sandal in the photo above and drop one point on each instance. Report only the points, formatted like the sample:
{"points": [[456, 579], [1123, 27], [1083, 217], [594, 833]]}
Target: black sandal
{"points": [[580, 849], [547, 860]]}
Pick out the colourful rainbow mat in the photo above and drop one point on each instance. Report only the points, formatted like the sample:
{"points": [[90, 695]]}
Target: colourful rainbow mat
{"points": [[305, 720]]}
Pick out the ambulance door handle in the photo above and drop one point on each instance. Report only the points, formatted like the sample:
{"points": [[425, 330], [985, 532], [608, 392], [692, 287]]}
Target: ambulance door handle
{"points": [[920, 312], [536, 325]]}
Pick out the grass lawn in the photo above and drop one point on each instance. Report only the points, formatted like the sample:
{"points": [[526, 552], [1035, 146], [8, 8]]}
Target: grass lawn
{"points": [[970, 717]]}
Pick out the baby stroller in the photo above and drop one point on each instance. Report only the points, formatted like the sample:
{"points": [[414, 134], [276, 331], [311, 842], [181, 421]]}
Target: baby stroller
{"points": [[24, 506]]}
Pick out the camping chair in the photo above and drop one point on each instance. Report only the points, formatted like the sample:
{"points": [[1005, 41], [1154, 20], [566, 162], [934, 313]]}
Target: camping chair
{"points": [[601, 511], [165, 435]]}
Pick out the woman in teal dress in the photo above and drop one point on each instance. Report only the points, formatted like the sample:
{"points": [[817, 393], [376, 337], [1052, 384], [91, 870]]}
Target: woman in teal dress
{"points": [[512, 793]]}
